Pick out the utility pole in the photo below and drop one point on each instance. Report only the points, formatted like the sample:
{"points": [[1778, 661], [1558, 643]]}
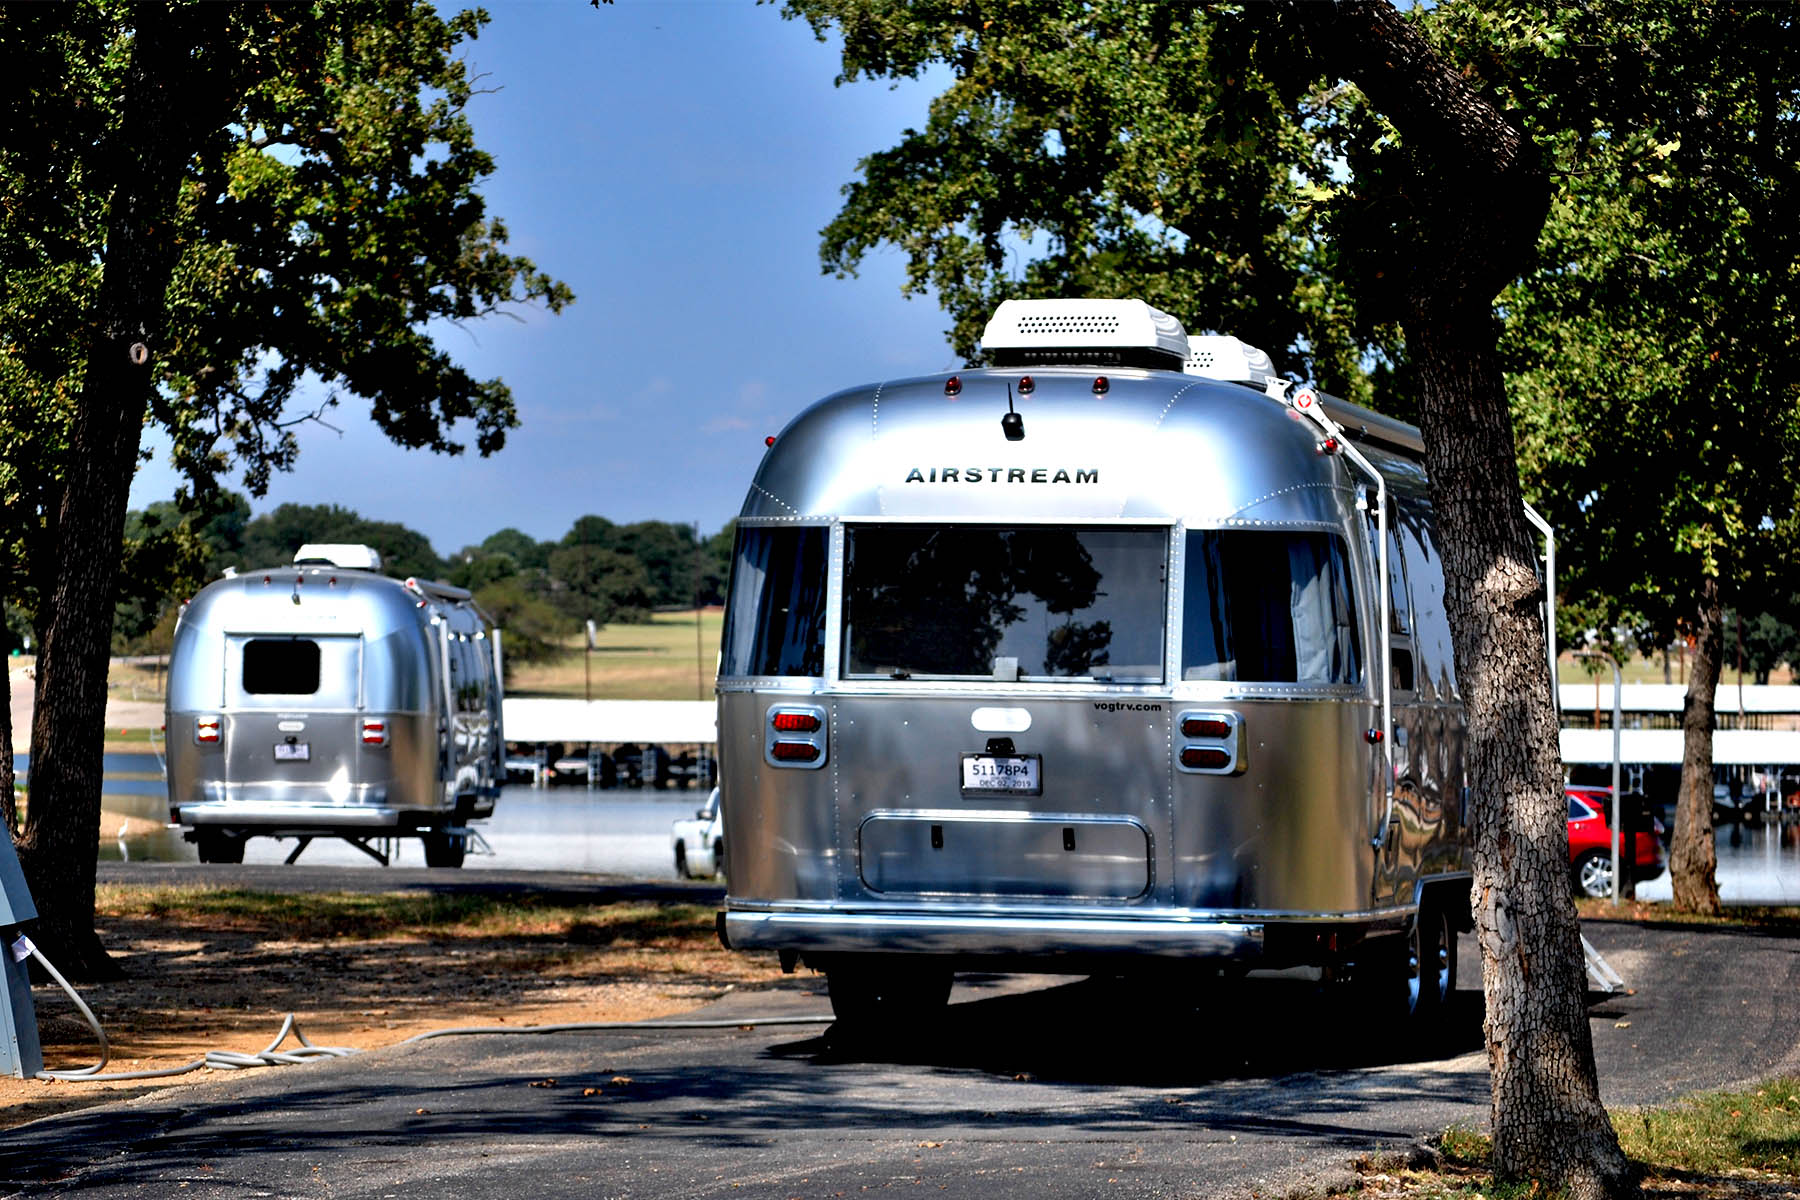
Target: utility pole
{"points": [[699, 655]]}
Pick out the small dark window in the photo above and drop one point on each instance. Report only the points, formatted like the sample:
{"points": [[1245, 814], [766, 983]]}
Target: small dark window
{"points": [[1403, 669], [775, 616], [281, 667]]}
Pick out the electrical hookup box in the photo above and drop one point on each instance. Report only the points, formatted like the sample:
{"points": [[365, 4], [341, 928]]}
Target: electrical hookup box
{"points": [[20, 1054]]}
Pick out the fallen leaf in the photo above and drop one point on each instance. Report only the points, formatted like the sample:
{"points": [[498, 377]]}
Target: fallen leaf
{"points": [[621, 1080], [1622, 1025], [929, 1145], [421, 1112]]}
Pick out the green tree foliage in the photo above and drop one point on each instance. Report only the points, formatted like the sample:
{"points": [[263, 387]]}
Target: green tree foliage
{"points": [[1765, 641], [532, 625], [1113, 148], [271, 539], [1653, 352], [598, 584], [202, 208], [519, 546]]}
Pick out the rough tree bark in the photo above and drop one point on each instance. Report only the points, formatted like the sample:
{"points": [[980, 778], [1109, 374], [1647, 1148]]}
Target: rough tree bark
{"points": [[166, 92], [1467, 203], [9, 810], [1693, 858]]}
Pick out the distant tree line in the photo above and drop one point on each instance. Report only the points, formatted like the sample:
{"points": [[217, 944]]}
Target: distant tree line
{"points": [[541, 593]]}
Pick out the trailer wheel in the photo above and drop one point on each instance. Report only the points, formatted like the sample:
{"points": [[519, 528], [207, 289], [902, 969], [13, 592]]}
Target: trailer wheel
{"points": [[444, 849], [681, 862], [217, 847], [886, 996], [1406, 983]]}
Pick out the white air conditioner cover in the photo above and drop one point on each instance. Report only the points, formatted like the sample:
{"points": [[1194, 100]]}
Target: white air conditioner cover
{"points": [[1221, 356], [340, 554], [1083, 325]]}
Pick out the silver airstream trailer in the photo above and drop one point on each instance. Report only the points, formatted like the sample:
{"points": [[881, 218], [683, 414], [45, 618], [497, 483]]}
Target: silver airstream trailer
{"points": [[1121, 653], [325, 699]]}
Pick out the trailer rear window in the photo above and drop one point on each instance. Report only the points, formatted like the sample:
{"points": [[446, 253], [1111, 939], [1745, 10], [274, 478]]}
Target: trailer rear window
{"points": [[281, 667], [1005, 603], [1268, 607], [775, 617]]}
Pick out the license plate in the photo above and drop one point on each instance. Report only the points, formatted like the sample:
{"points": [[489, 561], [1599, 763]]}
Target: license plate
{"points": [[293, 752], [1002, 774]]}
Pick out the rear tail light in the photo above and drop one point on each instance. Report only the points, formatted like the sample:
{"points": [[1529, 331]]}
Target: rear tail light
{"points": [[374, 733], [794, 735], [1221, 743], [787, 721], [207, 730]]}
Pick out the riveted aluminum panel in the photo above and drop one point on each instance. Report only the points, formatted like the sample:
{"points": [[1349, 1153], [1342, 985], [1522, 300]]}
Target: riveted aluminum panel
{"points": [[1004, 854]]}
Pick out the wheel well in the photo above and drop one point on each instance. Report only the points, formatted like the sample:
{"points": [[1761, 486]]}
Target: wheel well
{"points": [[1453, 894]]}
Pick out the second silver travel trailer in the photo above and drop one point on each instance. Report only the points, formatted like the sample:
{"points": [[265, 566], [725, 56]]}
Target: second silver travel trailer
{"points": [[1121, 653], [325, 699]]}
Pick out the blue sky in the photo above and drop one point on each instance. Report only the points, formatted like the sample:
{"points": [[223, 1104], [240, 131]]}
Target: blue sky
{"points": [[673, 161]]}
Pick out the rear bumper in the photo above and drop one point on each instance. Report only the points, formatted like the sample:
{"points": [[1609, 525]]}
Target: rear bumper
{"points": [[988, 936], [267, 814]]}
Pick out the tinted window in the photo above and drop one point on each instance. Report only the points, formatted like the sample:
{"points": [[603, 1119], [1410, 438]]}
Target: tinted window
{"points": [[283, 667], [775, 616], [991, 602], [1268, 607]]}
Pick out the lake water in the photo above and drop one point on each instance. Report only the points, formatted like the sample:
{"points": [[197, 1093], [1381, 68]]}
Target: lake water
{"points": [[626, 832], [620, 831]]}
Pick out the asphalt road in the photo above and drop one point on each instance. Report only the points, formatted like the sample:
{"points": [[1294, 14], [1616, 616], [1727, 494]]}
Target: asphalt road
{"points": [[1086, 1088]]}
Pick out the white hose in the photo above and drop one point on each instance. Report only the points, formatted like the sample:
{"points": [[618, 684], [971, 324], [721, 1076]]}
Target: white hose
{"points": [[272, 1056]]}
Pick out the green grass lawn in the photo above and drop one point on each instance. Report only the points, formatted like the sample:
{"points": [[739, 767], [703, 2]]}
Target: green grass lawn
{"points": [[661, 660]]}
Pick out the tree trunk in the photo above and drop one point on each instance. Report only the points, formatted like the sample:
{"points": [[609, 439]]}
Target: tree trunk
{"points": [[9, 807], [1693, 858], [1465, 201], [164, 108], [1548, 1121]]}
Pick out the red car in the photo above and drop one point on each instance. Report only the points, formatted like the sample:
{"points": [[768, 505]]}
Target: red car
{"points": [[1590, 844]]}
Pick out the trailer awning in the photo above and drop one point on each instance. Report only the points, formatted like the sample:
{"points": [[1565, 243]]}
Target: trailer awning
{"points": [[666, 722]]}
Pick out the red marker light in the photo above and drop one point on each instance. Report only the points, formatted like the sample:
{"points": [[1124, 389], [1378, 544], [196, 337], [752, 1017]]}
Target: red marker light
{"points": [[953, 386], [794, 722], [795, 752], [1027, 385], [769, 441], [1101, 385], [1373, 737], [1205, 727], [1204, 757]]}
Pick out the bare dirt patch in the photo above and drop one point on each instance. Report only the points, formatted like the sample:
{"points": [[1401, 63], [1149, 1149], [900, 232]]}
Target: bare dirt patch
{"points": [[210, 969]]}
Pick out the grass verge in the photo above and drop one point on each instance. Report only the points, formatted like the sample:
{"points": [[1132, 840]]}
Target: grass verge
{"points": [[1770, 918], [1708, 1146], [365, 916]]}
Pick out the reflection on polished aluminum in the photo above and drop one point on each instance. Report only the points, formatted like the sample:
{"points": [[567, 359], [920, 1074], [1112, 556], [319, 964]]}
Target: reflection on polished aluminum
{"points": [[328, 700], [1151, 599]]}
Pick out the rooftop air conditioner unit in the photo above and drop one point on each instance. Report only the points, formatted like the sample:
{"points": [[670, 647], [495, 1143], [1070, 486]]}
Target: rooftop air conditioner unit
{"points": [[1221, 356], [1084, 332], [339, 554]]}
